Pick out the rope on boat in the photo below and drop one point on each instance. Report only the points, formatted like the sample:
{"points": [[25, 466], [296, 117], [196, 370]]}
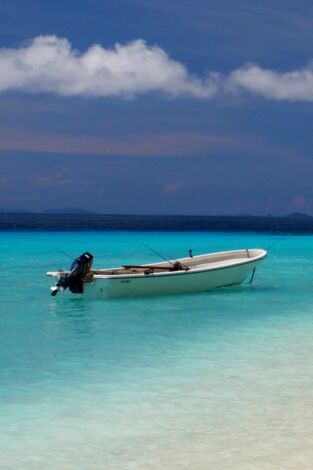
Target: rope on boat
{"points": [[252, 276]]}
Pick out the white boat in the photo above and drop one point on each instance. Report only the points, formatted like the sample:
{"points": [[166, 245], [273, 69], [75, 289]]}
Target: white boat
{"points": [[191, 274]]}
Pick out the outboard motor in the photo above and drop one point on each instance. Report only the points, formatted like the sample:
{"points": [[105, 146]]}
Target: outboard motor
{"points": [[74, 279]]}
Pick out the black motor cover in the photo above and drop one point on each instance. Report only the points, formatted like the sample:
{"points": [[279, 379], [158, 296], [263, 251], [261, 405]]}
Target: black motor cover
{"points": [[74, 279]]}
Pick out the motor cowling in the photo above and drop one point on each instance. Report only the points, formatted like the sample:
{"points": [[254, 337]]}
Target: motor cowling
{"points": [[74, 279]]}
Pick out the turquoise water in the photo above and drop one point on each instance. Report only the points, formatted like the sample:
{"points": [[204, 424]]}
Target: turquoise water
{"points": [[219, 380]]}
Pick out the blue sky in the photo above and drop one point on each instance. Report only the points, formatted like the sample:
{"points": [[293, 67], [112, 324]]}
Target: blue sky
{"points": [[154, 106]]}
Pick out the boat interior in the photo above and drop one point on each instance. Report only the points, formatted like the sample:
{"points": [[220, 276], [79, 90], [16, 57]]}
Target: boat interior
{"points": [[184, 264]]}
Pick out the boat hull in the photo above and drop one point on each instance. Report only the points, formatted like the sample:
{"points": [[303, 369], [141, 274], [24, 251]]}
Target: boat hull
{"points": [[194, 274], [172, 283]]}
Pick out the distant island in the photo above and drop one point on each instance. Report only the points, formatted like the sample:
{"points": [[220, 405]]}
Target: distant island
{"points": [[300, 215], [78, 211], [67, 210], [81, 220], [14, 211]]}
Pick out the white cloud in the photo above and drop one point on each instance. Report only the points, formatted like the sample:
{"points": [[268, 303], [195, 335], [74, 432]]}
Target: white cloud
{"points": [[291, 86], [49, 64]]}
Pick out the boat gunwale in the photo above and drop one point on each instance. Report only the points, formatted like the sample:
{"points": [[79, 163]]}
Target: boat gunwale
{"points": [[153, 275]]}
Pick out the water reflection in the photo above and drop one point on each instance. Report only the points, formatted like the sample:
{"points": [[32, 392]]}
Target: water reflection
{"points": [[73, 316]]}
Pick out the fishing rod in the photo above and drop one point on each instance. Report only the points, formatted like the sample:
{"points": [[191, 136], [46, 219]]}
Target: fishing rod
{"points": [[274, 243], [176, 265], [158, 254], [65, 254]]}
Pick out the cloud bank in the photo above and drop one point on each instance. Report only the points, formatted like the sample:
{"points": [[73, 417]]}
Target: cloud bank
{"points": [[49, 64]]}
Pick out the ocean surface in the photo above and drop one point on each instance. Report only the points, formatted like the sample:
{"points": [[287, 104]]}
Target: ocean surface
{"points": [[220, 380]]}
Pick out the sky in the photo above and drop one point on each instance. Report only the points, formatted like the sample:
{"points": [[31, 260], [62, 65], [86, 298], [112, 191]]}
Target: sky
{"points": [[197, 107]]}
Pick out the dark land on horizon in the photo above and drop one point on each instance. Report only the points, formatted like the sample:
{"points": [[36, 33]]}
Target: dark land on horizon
{"points": [[296, 223]]}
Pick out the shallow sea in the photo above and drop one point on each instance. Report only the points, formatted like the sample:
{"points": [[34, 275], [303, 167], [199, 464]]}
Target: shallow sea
{"points": [[220, 380]]}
